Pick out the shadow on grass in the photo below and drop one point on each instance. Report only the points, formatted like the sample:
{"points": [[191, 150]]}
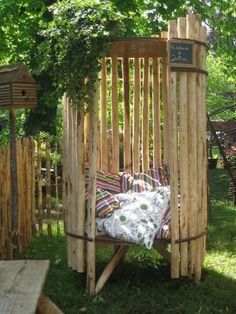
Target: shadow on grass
{"points": [[141, 284]]}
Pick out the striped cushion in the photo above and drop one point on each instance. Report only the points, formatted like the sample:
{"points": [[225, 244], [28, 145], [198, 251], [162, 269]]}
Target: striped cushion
{"points": [[152, 178], [105, 203], [164, 230], [105, 180], [126, 181]]}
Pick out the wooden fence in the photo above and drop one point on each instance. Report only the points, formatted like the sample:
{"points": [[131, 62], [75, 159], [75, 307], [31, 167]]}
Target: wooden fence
{"points": [[39, 172]]}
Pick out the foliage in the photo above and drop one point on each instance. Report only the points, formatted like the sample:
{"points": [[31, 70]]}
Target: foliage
{"points": [[220, 89], [21, 40], [75, 40]]}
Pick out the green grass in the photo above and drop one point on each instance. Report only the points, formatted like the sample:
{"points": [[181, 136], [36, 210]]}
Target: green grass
{"points": [[141, 284]]}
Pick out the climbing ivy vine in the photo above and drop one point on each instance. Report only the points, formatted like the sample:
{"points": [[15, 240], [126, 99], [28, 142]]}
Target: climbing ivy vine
{"points": [[75, 40]]}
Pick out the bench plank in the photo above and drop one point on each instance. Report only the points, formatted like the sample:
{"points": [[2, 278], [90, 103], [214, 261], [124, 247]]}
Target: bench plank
{"points": [[21, 284]]}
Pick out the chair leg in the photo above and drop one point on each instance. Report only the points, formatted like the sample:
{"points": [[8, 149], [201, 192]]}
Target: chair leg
{"points": [[117, 256]]}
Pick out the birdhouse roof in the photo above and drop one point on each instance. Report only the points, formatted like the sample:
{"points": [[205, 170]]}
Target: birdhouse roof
{"points": [[15, 73]]}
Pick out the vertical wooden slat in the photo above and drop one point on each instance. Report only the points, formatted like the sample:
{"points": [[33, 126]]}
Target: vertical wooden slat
{"points": [[87, 135], [26, 188], [201, 153], [20, 191], [23, 195], [115, 119], [183, 158], [66, 161], [203, 37], [32, 147], [73, 211], [145, 121], [91, 247], [104, 147], [173, 157], [136, 121], [56, 188], [39, 188], [164, 81], [192, 150], [28, 180], [80, 186], [48, 188], [127, 126], [156, 113]]}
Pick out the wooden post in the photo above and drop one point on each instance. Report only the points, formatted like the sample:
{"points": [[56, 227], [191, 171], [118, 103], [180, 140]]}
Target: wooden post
{"points": [[115, 119], [91, 247], [201, 152], [56, 189], [165, 96], [183, 158], [156, 113], [48, 188], [14, 183], [104, 147], [173, 150], [127, 130], [32, 147], [39, 187], [145, 125], [80, 247], [136, 122], [192, 150]]}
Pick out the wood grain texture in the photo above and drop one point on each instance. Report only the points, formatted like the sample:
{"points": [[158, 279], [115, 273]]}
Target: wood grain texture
{"points": [[91, 248], [104, 147], [173, 157], [115, 118], [21, 285], [164, 85], [192, 149], [145, 114], [156, 113], [127, 122], [183, 158], [136, 122]]}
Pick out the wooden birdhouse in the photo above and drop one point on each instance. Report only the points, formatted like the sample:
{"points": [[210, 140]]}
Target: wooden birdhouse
{"points": [[17, 87]]}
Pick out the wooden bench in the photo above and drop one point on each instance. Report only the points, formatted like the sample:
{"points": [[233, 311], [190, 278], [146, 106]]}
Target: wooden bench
{"points": [[21, 285]]}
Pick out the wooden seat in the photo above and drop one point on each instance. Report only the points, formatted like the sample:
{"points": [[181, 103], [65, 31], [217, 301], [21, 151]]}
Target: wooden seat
{"points": [[21, 284]]}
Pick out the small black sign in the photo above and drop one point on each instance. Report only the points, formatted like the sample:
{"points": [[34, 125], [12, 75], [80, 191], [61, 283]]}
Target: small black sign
{"points": [[181, 53]]}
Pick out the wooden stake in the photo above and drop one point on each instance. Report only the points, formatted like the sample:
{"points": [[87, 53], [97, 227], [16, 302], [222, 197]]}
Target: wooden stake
{"points": [[145, 125], [91, 248], [192, 150], [127, 126], [156, 114], [173, 157], [136, 123], [48, 188], [56, 190], [115, 119], [39, 179], [104, 148], [81, 193], [165, 96], [32, 147], [183, 157], [14, 183]]}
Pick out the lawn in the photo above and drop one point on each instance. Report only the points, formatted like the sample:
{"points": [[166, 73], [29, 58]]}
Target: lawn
{"points": [[142, 283]]}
